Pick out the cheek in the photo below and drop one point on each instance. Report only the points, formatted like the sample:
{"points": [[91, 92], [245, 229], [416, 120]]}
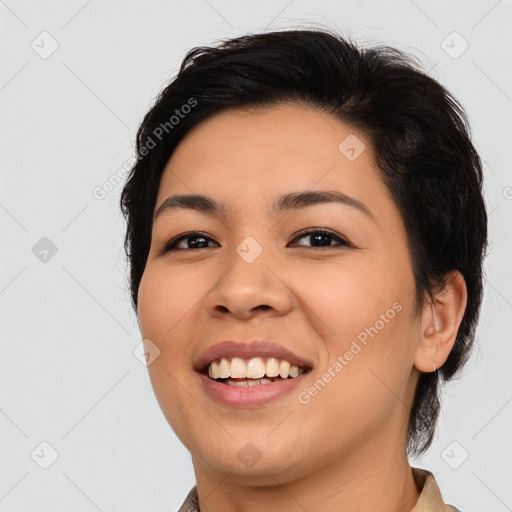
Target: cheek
{"points": [[164, 299], [147, 303], [363, 315], [362, 325], [349, 296]]}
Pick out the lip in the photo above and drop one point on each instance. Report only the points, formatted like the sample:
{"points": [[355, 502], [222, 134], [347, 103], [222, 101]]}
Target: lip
{"points": [[251, 396], [248, 350]]}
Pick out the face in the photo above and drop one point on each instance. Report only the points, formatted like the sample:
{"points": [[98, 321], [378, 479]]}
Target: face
{"points": [[340, 297]]}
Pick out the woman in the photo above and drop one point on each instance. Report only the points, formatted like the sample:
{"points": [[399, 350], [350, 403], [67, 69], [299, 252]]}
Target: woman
{"points": [[305, 234]]}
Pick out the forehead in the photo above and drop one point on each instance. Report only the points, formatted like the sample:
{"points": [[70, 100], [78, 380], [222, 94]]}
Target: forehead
{"points": [[253, 155]]}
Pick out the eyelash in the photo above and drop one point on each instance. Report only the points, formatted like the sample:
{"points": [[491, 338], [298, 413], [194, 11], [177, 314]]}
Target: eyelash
{"points": [[171, 246]]}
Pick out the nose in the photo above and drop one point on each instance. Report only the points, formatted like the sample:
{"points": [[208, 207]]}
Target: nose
{"points": [[248, 289]]}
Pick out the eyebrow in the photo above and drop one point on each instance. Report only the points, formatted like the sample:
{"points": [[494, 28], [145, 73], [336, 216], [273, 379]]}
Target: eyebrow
{"points": [[285, 203]]}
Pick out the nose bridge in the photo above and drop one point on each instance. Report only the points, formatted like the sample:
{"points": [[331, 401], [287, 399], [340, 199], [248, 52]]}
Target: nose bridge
{"points": [[249, 279]]}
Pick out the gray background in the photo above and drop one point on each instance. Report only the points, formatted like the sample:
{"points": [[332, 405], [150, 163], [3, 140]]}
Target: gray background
{"points": [[69, 376]]}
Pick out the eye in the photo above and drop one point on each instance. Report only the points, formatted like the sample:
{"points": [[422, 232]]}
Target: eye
{"points": [[198, 241], [322, 237]]}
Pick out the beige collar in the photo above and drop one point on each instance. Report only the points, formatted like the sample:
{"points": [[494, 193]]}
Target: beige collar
{"points": [[430, 499]]}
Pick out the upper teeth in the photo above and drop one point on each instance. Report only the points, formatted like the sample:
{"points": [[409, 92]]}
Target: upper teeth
{"points": [[254, 369]]}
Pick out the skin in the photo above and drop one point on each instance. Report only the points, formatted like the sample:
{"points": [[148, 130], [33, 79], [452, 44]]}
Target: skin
{"points": [[345, 449]]}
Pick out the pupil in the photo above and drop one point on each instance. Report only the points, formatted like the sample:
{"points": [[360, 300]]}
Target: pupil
{"points": [[193, 244], [321, 236]]}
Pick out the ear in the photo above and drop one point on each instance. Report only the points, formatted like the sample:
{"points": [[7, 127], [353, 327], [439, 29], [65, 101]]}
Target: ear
{"points": [[440, 323]]}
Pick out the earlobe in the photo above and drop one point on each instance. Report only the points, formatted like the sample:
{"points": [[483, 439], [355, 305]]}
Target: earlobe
{"points": [[440, 323]]}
